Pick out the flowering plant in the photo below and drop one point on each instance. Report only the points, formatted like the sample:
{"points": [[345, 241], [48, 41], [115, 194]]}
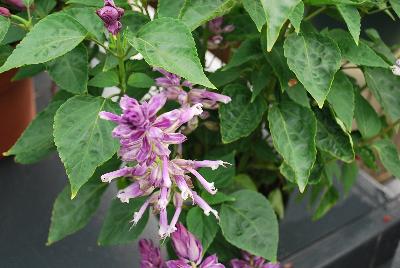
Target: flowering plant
{"points": [[207, 112]]}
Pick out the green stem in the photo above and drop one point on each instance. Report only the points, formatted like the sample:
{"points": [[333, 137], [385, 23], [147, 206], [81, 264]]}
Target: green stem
{"points": [[121, 65], [26, 24], [103, 46], [316, 13], [379, 10]]}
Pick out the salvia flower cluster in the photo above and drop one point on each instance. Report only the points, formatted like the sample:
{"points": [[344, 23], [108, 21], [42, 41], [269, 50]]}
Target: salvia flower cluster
{"points": [[145, 138], [187, 247], [111, 15], [190, 253]]}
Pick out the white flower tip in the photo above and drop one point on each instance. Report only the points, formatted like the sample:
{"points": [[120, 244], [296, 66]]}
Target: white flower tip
{"points": [[185, 194], [396, 70], [197, 109], [105, 179], [162, 204], [123, 198], [171, 229]]}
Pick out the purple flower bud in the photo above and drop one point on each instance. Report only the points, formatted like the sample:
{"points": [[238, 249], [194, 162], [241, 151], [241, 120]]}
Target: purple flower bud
{"points": [[215, 25], [16, 3], [211, 262], [150, 255], [5, 12], [177, 264], [186, 245], [110, 14], [250, 261]]}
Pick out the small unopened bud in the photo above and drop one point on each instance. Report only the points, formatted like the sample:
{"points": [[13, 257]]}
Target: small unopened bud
{"points": [[5, 12], [17, 3]]}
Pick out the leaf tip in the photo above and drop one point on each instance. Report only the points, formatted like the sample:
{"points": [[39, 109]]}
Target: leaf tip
{"points": [[73, 194]]}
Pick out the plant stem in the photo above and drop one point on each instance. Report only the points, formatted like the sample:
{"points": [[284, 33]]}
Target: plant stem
{"points": [[121, 65], [379, 10], [316, 13], [26, 24], [382, 132], [103, 46]]}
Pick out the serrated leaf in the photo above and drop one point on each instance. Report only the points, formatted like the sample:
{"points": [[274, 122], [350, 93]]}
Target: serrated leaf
{"points": [[83, 140], [117, 228], [341, 98], [169, 8], [297, 16], [134, 21], [217, 198], [389, 156], [276, 199], [250, 224], [44, 7], [4, 25], [331, 138], [352, 18], [260, 80], [50, 38], [37, 141], [359, 55], [69, 216], [256, 12], [293, 129], [368, 121], [349, 176], [385, 87], [153, 41], [29, 71], [277, 12], [202, 226], [88, 18], [396, 6], [314, 59], [328, 200], [140, 80], [5, 52], [241, 116], [379, 46], [197, 12], [105, 79], [70, 71], [243, 181], [299, 95]]}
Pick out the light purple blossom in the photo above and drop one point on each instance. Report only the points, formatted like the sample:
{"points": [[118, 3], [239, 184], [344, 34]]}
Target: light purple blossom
{"points": [[396, 68], [5, 12], [110, 14], [215, 27], [190, 251], [173, 88], [150, 255], [250, 261]]}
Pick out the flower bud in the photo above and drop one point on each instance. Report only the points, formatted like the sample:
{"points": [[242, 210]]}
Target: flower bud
{"points": [[110, 14], [17, 3], [186, 245], [4, 12]]}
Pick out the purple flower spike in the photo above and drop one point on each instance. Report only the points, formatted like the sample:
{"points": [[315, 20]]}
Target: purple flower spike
{"points": [[177, 264], [5, 12], [186, 245], [110, 14], [211, 262], [150, 255], [250, 261]]}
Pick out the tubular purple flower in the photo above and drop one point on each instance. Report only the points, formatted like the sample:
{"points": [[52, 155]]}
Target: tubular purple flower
{"points": [[138, 215], [177, 264], [150, 255], [186, 245], [165, 173], [178, 209], [5, 12], [183, 187], [163, 231], [208, 99], [124, 172], [136, 189], [211, 262], [203, 205], [163, 200], [110, 14], [209, 187]]}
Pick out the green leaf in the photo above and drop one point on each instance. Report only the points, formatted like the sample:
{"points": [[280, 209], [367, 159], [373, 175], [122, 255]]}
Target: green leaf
{"points": [[352, 18], [28, 3], [197, 12], [359, 55], [4, 25], [153, 41], [256, 12], [331, 138], [341, 98], [5, 52], [385, 87], [83, 140], [88, 18], [277, 12], [299, 95], [249, 50], [14, 34], [297, 16], [379, 46], [250, 224], [105, 79], [69, 216], [222, 177], [44, 7], [217, 198], [50, 38], [349, 176], [276, 199], [37, 141], [92, 3], [293, 129], [169, 8], [140, 80], [243, 181], [117, 226], [202, 226], [368, 121], [314, 59], [396, 6], [389, 156], [29, 71], [328, 200], [260, 79], [240, 117], [70, 71]]}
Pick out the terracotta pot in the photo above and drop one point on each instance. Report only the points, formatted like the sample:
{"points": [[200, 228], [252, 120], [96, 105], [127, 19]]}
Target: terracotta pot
{"points": [[17, 108]]}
